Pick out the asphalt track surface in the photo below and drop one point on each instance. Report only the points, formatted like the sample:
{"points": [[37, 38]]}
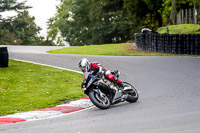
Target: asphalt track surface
{"points": [[169, 90]]}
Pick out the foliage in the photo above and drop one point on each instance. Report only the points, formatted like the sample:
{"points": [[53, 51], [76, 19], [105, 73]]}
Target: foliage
{"points": [[180, 29], [74, 22], [109, 21], [8, 5], [11, 5], [86, 22], [25, 28], [7, 38], [180, 5], [145, 12], [20, 29]]}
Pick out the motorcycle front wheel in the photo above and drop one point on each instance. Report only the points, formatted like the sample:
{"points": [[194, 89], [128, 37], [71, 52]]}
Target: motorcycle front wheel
{"points": [[102, 102], [132, 93]]}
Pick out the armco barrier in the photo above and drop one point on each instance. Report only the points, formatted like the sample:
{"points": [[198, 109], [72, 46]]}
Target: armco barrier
{"points": [[169, 43]]}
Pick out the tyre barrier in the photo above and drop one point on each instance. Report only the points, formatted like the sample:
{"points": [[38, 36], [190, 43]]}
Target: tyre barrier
{"points": [[169, 43], [4, 57]]}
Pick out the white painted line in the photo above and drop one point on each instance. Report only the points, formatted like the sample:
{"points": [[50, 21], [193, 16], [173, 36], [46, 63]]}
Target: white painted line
{"points": [[34, 115], [47, 65], [84, 103], [66, 114]]}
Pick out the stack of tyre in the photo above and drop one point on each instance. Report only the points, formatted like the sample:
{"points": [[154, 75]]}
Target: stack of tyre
{"points": [[4, 57]]}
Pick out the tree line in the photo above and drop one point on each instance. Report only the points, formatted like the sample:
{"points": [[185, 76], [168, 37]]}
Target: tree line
{"points": [[20, 29], [86, 22]]}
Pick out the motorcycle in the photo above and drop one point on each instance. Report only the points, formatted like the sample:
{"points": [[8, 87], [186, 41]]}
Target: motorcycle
{"points": [[103, 93]]}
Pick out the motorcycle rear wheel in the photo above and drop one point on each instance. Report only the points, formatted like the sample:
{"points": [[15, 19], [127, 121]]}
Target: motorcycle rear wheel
{"points": [[102, 103], [132, 95]]}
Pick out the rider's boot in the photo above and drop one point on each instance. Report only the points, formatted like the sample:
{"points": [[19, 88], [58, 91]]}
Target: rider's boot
{"points": [[121, 84]]}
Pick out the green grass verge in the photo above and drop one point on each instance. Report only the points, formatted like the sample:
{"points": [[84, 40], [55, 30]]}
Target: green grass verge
{"points": [[107, 49], [123, 49], [27, 87], [181, 29]]}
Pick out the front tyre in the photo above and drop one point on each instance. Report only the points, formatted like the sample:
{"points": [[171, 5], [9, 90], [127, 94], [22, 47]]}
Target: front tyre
{"points": [[132, 93], [98, 101]]}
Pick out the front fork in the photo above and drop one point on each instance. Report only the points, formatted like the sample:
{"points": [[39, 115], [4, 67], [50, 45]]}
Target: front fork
{"points": [[98, 91]]}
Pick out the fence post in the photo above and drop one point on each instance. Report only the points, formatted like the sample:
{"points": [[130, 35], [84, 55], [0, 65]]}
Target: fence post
{"points": [[182, 12], [190, 14]]}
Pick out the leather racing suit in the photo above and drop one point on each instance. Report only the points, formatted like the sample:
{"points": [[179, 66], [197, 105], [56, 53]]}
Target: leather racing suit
{"points": [[97, 68]]}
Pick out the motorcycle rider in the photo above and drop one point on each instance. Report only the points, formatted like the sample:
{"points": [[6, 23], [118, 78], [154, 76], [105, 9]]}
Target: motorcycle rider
{"points": [[98, 70]]}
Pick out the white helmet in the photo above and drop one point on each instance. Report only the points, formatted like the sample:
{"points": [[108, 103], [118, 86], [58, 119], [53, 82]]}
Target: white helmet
{"points": [[84, 65]]}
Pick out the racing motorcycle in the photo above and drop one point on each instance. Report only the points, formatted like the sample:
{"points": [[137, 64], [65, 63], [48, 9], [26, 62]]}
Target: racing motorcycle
{"points": [[103, 92]]}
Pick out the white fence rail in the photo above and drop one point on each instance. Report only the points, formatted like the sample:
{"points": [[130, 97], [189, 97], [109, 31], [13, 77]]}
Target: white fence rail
{"points": [[187, 16]]}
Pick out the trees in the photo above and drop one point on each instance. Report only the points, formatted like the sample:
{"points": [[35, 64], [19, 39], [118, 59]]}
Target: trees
{"points": [[6, 36], [173, 12], [110, 21], [7, 5], [11, 5], [178, 5], [85, 22], [71, 21], [20, 29], [24, 27], [198, 3]]}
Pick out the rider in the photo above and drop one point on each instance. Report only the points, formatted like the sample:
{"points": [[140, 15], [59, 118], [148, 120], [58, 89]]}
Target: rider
{"points": [[97, 69]]}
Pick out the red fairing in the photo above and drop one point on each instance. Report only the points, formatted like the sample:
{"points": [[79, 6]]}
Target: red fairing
{"points": [[96, 65], [110, 77]]}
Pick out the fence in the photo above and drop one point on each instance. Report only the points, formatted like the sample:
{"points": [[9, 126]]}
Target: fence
{"points": [[187, 16], [169, 43]]}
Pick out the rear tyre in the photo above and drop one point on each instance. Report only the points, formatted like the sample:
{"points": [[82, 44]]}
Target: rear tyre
{"points": [[100, 102], [132, 93]]}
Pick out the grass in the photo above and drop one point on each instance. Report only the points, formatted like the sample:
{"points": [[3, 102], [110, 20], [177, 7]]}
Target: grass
{"points": [[181, 29], [123, 49], [107, 49], [27, 87]]}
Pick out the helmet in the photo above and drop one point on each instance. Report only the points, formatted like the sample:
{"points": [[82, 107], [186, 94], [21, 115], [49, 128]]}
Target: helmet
{"points": [[84, 65]]}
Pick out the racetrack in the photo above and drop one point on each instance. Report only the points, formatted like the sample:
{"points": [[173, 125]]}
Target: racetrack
{"points": [[168, 88]]}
